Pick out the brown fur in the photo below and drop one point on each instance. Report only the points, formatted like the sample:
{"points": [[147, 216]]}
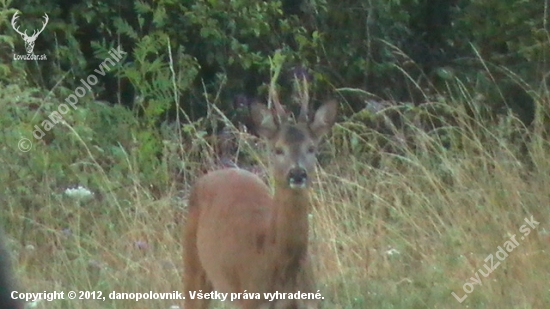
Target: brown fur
{"points": [[239, 236]]}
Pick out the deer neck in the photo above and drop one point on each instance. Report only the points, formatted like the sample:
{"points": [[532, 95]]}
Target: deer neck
{"points": [[291, 222]]}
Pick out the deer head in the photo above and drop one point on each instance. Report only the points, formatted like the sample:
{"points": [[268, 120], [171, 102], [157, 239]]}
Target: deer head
{"points": [[29, 40]]}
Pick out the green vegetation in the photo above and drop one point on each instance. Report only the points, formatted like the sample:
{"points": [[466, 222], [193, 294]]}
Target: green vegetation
{"points": [[440, 153]]}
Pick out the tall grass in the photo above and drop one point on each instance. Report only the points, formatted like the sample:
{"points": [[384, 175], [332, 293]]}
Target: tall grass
{"points": [[405, 232]]}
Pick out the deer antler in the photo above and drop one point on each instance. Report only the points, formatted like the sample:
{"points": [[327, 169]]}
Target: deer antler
{"points": [[13, 19], [303, 93], [46, 19], [24, 34], [278, 109]]}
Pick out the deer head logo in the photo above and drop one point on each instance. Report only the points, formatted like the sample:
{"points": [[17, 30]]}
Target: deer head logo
{"points": [[29, 40]]}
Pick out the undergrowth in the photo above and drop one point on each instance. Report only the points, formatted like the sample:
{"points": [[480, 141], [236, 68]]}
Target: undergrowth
{"points": [[97, 204]]}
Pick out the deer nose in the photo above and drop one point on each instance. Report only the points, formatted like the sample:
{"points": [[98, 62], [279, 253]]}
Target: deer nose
{"points": [[297, 178]]}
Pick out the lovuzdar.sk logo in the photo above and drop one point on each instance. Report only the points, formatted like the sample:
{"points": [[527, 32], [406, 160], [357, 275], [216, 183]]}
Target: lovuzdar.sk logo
{"points": [[29, 39]]}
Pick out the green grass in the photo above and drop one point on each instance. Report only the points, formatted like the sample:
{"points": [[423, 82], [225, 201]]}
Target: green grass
{"points": [[405, 234]]}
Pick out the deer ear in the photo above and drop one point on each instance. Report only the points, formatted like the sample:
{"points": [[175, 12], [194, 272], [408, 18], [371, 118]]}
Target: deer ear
{"points": [[324, 119], [264, 120]]}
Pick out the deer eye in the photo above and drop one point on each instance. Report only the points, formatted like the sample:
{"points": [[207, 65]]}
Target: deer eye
{"points": [[311, 149], [279, 151]]}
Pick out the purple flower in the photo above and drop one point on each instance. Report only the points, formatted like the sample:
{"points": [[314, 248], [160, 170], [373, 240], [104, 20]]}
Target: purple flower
{"points": [[67, 232], [142, 245]]}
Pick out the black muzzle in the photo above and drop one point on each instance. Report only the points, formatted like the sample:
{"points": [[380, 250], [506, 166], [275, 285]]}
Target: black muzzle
{"points": [[297, 178]]}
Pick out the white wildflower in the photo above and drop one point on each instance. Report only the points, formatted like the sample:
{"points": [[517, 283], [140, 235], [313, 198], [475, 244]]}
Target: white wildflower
{"points": [[79, 193], [392, 251]]}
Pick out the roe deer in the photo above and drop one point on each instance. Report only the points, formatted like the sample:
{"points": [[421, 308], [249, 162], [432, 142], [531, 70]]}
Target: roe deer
{"points": [[7, 282], [241, 238]]}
